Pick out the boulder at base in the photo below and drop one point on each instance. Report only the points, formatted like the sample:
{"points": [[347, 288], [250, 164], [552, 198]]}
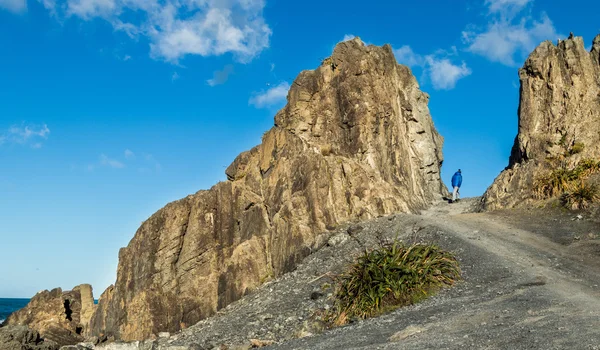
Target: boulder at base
{"points": [[23, 338], [61, 317]]}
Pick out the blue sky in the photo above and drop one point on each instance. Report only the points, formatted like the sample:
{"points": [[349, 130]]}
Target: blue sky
{"points": [[109, 109]]}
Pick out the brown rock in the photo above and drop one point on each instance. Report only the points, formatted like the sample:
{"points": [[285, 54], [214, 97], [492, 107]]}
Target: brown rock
{"points": [[58, 316], [22, 338], [257, 343], [559, 108], [355, 141]]}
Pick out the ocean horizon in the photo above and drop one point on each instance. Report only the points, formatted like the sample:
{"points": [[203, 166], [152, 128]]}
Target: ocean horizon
{"points": [[10, 305]]}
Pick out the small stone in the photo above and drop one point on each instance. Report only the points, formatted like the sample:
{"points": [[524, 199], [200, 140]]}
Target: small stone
{"points": [[406, 332], [337, 239], [257, 343], [352, 230], [316, 295], [164, 334]]}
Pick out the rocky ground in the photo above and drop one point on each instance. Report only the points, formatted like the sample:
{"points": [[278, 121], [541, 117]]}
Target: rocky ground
{"points": [[531, 280]]}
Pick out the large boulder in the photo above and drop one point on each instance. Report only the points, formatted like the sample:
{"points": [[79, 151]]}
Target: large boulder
{"points": [[22, 338], [559, 118], [61, 317], [355, 141]]}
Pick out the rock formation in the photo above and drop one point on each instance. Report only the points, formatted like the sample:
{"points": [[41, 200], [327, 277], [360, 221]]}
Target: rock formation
{"points": [[559, 117], [355, 141], [58, 316], [23, 338]]}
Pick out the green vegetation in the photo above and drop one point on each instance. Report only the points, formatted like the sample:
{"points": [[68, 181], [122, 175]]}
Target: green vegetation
{"points": [[569, 183], [582, 196], [391, 276], [577, 148]]}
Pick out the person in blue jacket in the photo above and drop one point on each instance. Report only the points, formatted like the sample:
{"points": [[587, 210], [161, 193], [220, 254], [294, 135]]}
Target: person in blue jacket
{"points": [[456, 182]]}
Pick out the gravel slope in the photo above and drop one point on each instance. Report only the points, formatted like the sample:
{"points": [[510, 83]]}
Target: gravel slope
{"points": [[530, 281]]}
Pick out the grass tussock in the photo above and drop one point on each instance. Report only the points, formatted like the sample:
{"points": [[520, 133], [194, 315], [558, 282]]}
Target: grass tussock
{"points": [[564, 180], [576, 148], [582, 196], [391, 276]]}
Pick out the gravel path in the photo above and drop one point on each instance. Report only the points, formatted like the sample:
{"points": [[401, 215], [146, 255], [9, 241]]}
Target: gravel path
{"points": [[521, 290]]}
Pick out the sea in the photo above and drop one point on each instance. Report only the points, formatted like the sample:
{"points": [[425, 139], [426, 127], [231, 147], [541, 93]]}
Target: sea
{"points": [[8, 306]]}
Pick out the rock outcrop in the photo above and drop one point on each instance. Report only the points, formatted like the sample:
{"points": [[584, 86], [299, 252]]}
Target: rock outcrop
{"points": [[559, 117], [23, 338], [58, 316], [355, 141]]}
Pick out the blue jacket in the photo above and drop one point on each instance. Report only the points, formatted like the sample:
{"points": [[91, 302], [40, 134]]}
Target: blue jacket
{"points": [[457, 179]]}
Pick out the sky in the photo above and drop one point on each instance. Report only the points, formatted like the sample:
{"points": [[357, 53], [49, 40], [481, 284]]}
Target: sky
{"points": [[109, 109]]}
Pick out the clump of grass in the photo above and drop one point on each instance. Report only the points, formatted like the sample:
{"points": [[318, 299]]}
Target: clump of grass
{"points": [[392, 276], [563, 179], [577, 148], [581, 196]]}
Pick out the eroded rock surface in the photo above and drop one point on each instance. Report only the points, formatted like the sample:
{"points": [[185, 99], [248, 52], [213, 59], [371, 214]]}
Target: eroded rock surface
{"points": [[355, 141], [58, 316], [22, 338], [559, 117]]}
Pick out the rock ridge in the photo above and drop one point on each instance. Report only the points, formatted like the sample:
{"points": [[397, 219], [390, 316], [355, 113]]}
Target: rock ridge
{"points": [[559, 108]]}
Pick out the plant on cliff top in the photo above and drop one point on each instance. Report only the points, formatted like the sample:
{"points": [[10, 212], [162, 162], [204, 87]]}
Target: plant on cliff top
{"points": [[391, 276]]}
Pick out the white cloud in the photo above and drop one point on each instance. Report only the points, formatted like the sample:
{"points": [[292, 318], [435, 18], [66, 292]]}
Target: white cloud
{"points": [[88, 9], [112, 163], [129, 154], [506, 5], [16, 6], [508, 37], [348, 37], [405, 55], [444, 74], [437, 67], [271, 97], [175, 76], [31, 135], [220, 76], [176, 28], [24, 133], [129, 159]]}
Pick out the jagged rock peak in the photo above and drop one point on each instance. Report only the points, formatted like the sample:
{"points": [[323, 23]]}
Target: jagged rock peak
{"points": [[355, 141], [559, 107]]}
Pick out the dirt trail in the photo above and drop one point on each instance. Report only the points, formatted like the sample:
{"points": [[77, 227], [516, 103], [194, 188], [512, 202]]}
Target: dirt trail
{"points": [[521, 290]]}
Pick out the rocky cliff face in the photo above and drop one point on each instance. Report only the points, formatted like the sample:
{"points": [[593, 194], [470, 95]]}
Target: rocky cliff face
{"points": [[355, 141], [559, 117], [59, 317]]}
